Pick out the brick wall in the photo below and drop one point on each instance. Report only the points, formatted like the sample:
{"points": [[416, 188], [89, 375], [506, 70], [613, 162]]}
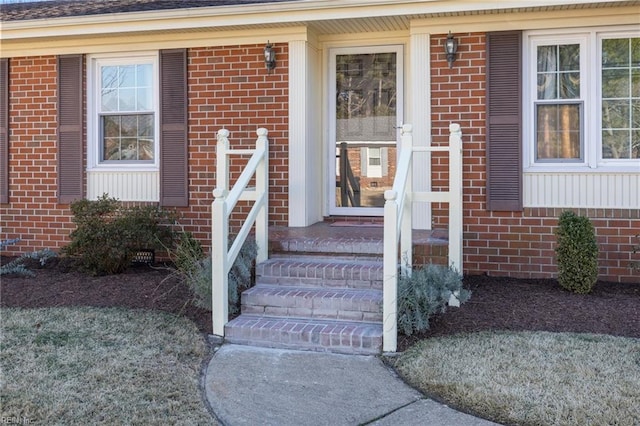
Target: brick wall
{"points": [[519, 244], [228, 87], [34, 214]]}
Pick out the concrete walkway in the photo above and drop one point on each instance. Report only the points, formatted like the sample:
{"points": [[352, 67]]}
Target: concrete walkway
{"points": [[256, 386]]}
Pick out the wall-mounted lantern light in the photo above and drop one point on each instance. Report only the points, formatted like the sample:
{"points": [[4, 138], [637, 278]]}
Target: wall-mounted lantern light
{"points": [[269, 57], [450, 48]]}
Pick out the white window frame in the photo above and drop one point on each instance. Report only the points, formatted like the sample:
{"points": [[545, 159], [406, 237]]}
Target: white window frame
{"points": [[590, 40], [94, 139], [600, 36]]}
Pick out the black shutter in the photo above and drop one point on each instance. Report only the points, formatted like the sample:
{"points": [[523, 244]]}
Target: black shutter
{"points": [[70, 143], [173, 128], [504, 121], [4, 130]]}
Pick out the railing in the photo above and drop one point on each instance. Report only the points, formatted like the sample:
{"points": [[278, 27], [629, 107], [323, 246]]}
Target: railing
{"points": [[222, 256], [349, 185], [398, 221]]}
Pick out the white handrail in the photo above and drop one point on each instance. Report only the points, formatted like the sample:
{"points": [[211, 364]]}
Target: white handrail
{"points": [[398, 221], [222, 257]]}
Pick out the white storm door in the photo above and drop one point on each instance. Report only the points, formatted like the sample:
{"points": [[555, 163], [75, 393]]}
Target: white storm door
{"points": [[365, 105]]}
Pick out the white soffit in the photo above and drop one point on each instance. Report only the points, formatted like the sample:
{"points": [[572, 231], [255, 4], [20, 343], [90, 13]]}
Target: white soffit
{"points": [[325, 16]]}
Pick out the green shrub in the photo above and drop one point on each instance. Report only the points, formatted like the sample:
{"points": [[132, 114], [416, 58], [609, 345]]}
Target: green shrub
{"points": [[195, 269], [576, 253], [109, 233], [426, 292]]}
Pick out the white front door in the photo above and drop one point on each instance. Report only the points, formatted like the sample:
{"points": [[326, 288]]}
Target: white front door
{"points": [[366, 111]]}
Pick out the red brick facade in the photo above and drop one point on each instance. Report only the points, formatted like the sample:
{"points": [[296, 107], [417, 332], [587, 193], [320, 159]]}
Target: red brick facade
{"points": [[518, 244], [229, 87]]}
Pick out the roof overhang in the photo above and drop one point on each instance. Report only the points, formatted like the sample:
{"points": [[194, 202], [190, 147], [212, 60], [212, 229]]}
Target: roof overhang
{"points": [[286, 19]]}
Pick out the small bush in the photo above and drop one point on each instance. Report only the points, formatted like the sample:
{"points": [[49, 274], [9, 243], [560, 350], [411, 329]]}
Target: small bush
{"points": [[195, 269], [109, 233], [17, 266], [576, 253], [426, 292]]}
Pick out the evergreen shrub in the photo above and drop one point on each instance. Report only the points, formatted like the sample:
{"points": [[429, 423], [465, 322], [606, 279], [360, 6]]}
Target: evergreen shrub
{"points": [[576, 253], [426, 292], [109, 233]]}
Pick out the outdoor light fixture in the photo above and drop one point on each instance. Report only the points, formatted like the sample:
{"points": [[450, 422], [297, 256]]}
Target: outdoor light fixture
{"points": [[450, 48], [269, 57]]}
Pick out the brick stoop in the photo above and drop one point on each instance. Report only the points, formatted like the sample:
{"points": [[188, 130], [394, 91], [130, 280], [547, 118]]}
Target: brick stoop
{"points": [[317, 293], [321, 290]]}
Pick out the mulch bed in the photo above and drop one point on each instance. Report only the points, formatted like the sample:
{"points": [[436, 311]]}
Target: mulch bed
{"points": [[495, 304]]}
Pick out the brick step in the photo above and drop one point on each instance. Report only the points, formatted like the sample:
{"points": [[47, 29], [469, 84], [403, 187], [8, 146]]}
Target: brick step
{"points": [[306, 334], [321, 272], [338, 246], [295, 302]]}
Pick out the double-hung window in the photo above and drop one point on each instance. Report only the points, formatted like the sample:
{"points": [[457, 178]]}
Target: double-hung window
{"points": [[582, 100], [620, 90], [123, 126], [558, 104]]}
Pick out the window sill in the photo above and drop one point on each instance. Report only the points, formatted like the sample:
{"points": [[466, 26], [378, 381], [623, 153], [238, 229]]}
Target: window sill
{"points": [[582, 169], [123, 168]]}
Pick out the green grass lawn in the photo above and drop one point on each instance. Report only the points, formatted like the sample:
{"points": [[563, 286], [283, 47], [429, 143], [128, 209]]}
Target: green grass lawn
{"points": [[78, 366], [531, 378]]}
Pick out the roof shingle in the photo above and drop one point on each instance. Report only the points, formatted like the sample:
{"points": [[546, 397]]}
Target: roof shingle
{"points": [[69, 8]]}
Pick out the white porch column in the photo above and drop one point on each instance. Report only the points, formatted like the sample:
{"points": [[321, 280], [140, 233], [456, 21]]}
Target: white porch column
{"points": [[305, 147], [420, 102]]}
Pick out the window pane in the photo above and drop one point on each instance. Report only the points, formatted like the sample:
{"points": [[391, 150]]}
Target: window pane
{"points": [[635, 83], [127, 88], [111, 149], [570, 85], [111, 126], [620, 98], [126, 99], [569, 57], [109, 100], [558, 73], [558, 132], [144, 99], [109, 77], [127, 77], [635, 52], [547, 86], [615, 53], [615, 114], [547, 59], [635, 113], [616, 144], [129, 125], [145, 126], [615, 83], [128, 137], [144, 75]]}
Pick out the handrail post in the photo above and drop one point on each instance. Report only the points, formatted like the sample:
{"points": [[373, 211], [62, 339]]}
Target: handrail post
{"points": [[406, 225], [262, 181], [390, 272], [222, 159], [219, 266], [455, 202]]}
